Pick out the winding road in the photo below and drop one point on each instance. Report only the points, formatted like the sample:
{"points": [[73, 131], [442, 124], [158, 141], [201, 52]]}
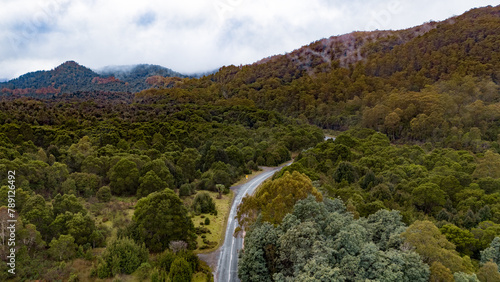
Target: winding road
{"points": [[227, 263], [227, 266]]}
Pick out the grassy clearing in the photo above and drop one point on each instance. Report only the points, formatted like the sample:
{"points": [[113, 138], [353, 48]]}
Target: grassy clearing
{"points": [[217, 224]]}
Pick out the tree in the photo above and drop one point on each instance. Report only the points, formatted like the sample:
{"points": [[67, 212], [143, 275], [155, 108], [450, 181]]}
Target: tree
{"points": [[160, 168], [56, 175], [433, 246], [274, 199], [37, 212], [492, 253], [485, 232], [161, 217], [489, 166], [488, 272], [440, 273], [81, 227], [70, 203], [465, 277], [185, 189], [392, 123], [86, 184], [320, 241], [463, 239], [150, 183], [258, 260], [104, 194], [345, 171], [78, 152], [428, 196], [63, 248], [180, 271], [220, 188], [188, 163], [203, 203], [121, 256], [124, 177]]}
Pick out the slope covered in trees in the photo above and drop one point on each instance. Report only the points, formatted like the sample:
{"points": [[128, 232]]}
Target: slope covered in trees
{"points": [[435, 82], [444, 206], [426, 210], [70, 77], [82, 162]]}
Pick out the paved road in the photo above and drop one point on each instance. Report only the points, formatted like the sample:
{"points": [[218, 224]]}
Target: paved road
{"points": [[227, 266]]}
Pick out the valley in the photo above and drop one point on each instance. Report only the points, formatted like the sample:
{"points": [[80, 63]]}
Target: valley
{"points": [[135, 173]]}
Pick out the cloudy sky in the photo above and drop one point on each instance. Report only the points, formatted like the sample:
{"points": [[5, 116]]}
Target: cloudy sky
{"points": [[191, 35]]}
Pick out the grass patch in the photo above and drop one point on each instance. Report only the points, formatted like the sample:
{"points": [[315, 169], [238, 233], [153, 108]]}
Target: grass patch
{"points": [[217, 226]]}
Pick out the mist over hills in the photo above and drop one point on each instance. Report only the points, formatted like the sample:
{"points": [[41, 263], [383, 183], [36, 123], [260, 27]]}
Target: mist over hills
{"points": [[414, 57], [72, 77], [409, 189]]}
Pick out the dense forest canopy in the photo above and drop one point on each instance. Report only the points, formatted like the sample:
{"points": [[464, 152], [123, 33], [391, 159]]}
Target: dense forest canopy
{"points": [[72, 154]]}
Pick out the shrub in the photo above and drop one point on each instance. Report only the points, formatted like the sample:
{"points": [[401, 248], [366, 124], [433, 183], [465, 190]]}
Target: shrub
{"points": [[143, 271], [104, 194], [180, 270], [207, 221], [185, 190], [121, 256], [203, 203]]}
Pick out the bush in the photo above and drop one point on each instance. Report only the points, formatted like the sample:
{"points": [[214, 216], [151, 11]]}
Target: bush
{"points": [[143, 271], [203, 203], [207, 221], [251, 165], [104, 194], [121, 256], [185, 190], [154, 219], [180, 270]]}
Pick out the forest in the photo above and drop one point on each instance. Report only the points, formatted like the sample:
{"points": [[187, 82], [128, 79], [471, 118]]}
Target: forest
{"points": [[81, 163], [108, 182], [375, 211]]}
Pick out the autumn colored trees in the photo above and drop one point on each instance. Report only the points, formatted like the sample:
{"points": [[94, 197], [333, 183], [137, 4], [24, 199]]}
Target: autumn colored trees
{"points": [[276, 198]]}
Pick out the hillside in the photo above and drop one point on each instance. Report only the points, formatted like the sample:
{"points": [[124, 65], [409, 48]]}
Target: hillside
{"points": [[70, 77], [107, 163], [422, 83]]}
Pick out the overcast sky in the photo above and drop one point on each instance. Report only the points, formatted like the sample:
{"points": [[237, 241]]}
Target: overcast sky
{"points": [[191, 35]]}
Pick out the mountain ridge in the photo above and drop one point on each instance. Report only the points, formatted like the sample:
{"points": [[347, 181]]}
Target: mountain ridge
{"points": [[321, 56], [71, 77]]}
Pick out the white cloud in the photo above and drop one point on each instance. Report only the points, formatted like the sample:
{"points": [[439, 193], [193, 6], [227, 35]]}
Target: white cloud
{"points": [[189, 36]]}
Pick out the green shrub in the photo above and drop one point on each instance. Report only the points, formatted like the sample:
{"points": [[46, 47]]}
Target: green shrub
{"points": [[203, 203], [180, 271], [121, 256], [104, 194], [185, 189]]}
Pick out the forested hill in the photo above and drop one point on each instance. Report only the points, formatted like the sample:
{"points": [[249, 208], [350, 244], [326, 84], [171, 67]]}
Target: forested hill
{"points": [[70, 77], [433, 81]]}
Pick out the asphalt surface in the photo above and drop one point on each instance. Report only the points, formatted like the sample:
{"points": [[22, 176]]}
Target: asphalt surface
{"points": [[227, 263], [227, 266]]}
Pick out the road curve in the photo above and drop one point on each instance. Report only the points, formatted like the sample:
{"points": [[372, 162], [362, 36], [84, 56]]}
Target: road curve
{"points": [[227, 266]]}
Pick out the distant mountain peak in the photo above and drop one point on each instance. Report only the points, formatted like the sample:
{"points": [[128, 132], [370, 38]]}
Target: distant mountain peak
{"points": [[71, 77]]}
